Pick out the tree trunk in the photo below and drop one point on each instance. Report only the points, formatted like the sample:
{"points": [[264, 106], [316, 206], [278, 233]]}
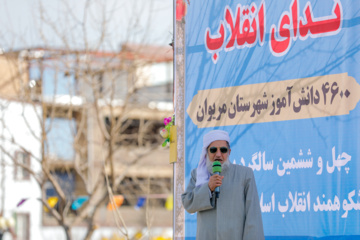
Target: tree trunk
{"points": [[67, 230]]}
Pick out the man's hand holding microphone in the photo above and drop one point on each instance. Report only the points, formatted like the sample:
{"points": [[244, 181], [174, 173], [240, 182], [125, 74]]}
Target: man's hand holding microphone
{"points": [[215, 180]]}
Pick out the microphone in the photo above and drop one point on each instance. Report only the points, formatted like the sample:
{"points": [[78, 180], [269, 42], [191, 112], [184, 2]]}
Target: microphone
{"points": [[216, 168]]}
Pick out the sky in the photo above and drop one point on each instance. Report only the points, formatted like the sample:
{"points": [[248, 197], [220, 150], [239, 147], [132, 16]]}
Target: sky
{"points": [[81, 23]]}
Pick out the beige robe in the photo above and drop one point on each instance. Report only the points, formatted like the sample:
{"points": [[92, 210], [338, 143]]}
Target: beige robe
{"points": [[236, 213]]}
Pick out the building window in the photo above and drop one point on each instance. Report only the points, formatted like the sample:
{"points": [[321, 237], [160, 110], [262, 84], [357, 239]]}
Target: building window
{"points": [[22, 226], [60, 137], [22, 159]]}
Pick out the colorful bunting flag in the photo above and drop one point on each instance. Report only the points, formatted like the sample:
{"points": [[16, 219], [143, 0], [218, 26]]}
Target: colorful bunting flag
{"points": [[79, 202], [118, 201], [140, 202], [52, 201], [21, 202], [138, 235], [161, 238]]}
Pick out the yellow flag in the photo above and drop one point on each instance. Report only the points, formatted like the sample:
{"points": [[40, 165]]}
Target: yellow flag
{"points": [[173, 144], [169, 203], [138, 235], [52, 201]]}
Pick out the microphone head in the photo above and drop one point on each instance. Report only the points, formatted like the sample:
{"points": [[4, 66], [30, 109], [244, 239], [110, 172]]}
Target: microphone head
{"points": [[216, 167]]}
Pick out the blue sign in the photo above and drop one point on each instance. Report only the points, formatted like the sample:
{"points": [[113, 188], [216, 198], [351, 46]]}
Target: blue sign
{"points": [[282, 77]]}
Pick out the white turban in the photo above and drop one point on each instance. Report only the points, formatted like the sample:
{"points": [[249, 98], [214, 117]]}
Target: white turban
{"points": [[202, 174]]}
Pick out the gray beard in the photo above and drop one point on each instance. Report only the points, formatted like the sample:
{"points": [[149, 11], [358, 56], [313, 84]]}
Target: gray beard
{"points": [[224, 167]]}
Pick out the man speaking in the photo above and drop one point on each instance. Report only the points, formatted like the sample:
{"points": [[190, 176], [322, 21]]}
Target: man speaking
{"points": [[232, 213]]}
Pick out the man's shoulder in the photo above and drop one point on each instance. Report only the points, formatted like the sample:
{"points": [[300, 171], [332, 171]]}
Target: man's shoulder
{"points": [[243, 169], [193, 172]]}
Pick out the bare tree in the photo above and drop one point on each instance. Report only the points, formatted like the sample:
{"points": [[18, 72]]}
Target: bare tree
{"points": [[98, 98]]}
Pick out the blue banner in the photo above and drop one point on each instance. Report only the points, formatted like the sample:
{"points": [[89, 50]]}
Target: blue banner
{"points": [[282, 77]]}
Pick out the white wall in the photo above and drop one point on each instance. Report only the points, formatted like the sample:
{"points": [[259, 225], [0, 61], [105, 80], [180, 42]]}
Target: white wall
{"points": [[19, 122]]}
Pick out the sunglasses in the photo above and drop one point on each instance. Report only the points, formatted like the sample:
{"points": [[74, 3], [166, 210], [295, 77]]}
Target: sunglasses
{"points": [[222, 149]]}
